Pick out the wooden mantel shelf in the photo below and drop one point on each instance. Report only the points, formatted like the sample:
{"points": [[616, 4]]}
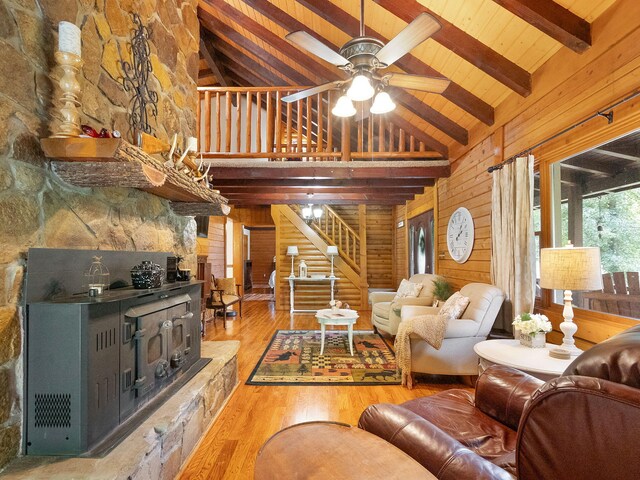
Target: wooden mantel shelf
{"points": [[113, 162]]}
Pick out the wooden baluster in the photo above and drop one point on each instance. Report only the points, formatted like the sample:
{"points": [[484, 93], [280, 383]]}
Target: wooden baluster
{"points": [[228, 122], [381, 146], [346, 140], [309, 129], [199, 121], [355, 253], [392, 140], [238, 122], [249, 122], [346, 235], [339, 236], [289, 127], [423, 147], [412, 143], [329, 122], [270, 122], [218, 126], [333, 228], [299, 126], [207, 122], [278, 121], [360, 136], [259, 122], [401, 141], [370, 135], [320, 126]]}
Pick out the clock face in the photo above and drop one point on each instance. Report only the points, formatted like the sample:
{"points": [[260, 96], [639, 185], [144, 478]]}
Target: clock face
{"points": [[460, 235]]}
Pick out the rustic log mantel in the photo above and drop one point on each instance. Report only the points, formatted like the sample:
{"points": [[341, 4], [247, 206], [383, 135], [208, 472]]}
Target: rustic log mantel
{"points": [[113, 162]]}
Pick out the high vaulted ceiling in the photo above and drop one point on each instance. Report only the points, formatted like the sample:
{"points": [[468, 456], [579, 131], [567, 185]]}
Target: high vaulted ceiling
{"points": [[489, 49]]}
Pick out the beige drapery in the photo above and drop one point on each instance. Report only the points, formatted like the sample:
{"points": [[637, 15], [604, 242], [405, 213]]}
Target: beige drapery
{"points": [[512, 238]]}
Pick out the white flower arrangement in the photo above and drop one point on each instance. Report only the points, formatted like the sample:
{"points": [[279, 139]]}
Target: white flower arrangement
{"points": [[531, 323], [335, 303]]}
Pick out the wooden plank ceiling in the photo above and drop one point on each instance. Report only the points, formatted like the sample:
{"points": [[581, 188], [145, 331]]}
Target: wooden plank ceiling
{"points": [[487, 48]]}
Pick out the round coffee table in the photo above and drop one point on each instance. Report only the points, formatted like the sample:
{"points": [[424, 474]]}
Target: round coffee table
{"points": [[341, 317], [535, 361], [322, 450]]}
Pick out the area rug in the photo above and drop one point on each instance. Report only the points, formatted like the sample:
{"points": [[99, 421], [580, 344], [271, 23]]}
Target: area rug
{"points": [[293, 358]]}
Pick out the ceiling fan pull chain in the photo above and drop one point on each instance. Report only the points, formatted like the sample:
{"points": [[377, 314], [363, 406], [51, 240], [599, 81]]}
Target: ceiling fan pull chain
{"points": [[362, 18]]}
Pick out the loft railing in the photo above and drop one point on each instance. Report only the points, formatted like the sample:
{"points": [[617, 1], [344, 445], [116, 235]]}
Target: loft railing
{"points": [[335, 231], [256, 123]]}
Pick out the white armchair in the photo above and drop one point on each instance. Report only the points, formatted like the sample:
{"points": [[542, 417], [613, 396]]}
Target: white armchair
{"points": [[385, 312], [456, 355]]}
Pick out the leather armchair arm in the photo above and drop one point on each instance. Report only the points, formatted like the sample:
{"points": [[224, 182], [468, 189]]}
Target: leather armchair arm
{"points": [[377, 297], [502, 392], [439, 453]]}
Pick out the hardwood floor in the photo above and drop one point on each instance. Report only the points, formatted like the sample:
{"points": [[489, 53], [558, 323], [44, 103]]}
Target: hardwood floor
{"points": [[254, 413]]}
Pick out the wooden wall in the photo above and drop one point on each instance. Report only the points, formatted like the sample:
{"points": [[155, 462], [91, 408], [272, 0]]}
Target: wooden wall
{"points": [[254, 216], [213, 245], [400, 245], [263, 249], [567, 88], [313, 295], [380, 246]]}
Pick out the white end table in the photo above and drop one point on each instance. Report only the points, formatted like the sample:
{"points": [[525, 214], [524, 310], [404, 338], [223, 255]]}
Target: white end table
{"points": [[535, 361], [341, 317]]}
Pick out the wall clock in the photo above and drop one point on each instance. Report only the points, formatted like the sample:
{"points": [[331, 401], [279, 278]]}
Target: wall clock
{"points": [[460, 235]]}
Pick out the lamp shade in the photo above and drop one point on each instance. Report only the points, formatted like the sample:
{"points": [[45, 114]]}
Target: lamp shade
{"points": [[360, 89], [382, 104], [292, 250], [344, 107], [332, 250], [317, 212], [570, 268], [306, 212]]}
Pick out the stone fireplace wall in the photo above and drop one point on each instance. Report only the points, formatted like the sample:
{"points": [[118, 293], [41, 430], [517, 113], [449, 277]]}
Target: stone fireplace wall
{"points": [[36, 208]]}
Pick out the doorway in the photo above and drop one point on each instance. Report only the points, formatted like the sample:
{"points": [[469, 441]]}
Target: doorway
{"points": [[421, 243]]}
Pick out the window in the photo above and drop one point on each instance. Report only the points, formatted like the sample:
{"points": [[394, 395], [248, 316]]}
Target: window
{"points": [[596, 202], [537, 227]]}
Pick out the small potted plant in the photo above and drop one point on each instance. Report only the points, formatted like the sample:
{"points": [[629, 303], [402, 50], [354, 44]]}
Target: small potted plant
{"points": [[442, 290], [533, 329]]}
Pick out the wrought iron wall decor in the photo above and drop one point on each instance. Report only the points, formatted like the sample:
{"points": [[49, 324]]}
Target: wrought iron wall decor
{"points": [[144, 102]]}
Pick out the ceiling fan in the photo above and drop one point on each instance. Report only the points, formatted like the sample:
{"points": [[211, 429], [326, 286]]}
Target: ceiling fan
{"points": [[363, 57]]}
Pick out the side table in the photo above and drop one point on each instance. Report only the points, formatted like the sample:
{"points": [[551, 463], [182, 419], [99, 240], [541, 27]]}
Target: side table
{"points": [[341, 317], [329, 450], [535, 361]]}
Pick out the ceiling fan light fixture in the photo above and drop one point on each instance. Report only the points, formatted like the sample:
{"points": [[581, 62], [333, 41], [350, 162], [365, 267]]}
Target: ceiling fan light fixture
{"points": [[382, 104], [344, 107], [360, 89]]}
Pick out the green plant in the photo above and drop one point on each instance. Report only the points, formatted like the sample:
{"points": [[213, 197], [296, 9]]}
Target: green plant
{"points": [[442, 289]]}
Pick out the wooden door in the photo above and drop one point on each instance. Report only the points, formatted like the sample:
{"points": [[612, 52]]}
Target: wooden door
{"points": [[421, 244]]}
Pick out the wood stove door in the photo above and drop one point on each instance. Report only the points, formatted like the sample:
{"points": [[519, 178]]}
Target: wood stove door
{"points": [[179, 336]]}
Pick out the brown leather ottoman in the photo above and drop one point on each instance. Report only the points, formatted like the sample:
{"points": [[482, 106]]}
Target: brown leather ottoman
{"points": [[329, 450]]}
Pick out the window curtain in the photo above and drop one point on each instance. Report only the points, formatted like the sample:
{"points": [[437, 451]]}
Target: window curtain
{"points": [[512, 238]]}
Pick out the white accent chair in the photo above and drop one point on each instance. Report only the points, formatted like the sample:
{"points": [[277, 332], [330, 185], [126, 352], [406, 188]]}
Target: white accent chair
{"points": [[385, 312], [456, 355]]}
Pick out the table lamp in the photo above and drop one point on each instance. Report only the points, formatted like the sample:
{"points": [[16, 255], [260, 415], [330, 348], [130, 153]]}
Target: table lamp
{"points": [[332, 251], [293, 251], [570, 268]]}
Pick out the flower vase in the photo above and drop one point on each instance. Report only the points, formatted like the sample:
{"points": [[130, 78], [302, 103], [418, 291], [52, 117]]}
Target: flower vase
{"points": [[516, 333], [534, 340]]}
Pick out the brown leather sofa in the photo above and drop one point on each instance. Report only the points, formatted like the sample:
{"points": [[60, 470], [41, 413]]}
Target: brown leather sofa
{"points": [[582, 425]]}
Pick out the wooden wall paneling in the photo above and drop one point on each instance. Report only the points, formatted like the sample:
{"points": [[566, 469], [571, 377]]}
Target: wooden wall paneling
{"points": [[253, 216], [401, 269], [238, 254], [263, 249], [422, 203], [380, 232], [363, 222]]}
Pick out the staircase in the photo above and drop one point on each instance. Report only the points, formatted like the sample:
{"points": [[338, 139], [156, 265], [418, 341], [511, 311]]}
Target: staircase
{"points": [[330, 229]]}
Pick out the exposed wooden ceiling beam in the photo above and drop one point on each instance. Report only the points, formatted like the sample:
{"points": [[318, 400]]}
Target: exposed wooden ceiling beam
{"points": [[321, 190], [224, 169], [208, 52], [318, 198], [611, 153], [331, 182], [215, 8], [409, 63], [411, 103], [466, 46], [554, 20], [334, 201], [592, 171]]}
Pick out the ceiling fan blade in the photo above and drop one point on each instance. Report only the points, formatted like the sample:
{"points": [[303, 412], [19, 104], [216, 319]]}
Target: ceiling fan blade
{"points": [[417, 82], [315, 46], [422, 27], [294, 97]]}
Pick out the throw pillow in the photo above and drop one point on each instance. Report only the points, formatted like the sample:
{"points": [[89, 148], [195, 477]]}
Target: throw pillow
{"points": [[228, 285], [408, 289], [455, 306]]}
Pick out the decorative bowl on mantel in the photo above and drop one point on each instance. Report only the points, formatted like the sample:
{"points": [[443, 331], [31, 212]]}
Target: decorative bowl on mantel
{"points": [[147, 275]]}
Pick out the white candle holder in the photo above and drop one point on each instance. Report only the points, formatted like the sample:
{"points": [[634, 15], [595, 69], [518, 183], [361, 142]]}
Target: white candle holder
{"points": [[70, 64]]}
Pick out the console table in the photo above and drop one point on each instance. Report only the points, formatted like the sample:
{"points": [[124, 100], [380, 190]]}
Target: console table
{"points": [[292, 289]]}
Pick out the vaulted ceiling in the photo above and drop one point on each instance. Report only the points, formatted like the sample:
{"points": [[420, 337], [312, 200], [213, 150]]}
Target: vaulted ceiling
{"points": [[489, 49]]}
